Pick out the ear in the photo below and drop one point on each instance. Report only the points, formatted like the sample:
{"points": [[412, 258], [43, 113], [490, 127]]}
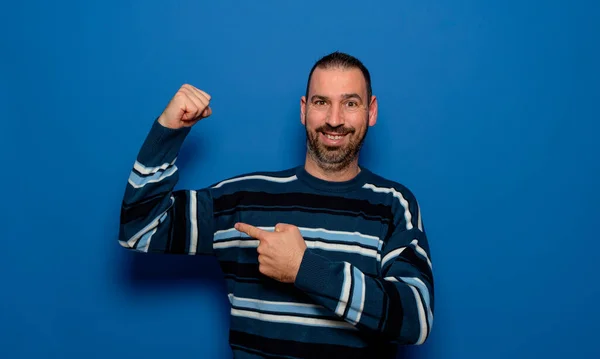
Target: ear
{"points": [[303, 110], [373, 111]]}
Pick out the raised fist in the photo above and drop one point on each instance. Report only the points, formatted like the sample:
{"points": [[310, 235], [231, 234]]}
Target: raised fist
{"points": [[186, 108]]}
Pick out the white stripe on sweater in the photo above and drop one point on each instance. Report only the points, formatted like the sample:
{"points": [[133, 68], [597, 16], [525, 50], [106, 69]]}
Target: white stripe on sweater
{"points": [[290, 319], [345, 292], [407, 215], [259, 177]]}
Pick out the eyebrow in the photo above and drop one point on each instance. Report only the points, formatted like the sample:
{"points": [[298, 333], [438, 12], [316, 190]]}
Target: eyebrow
{"points": [[344, 96]]}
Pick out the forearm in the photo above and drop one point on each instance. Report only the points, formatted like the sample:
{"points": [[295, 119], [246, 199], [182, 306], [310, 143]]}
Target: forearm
{"points": [[154, 217], [392, 308]]}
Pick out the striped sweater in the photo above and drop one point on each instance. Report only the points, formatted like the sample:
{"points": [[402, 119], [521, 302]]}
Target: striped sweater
{"points": [[365, 283]]}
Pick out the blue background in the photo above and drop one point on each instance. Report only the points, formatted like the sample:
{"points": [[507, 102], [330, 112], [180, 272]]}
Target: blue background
{"points": [[488, 112]]}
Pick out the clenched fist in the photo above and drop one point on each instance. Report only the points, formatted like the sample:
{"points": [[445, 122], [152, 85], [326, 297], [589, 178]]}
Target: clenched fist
{"points": [[186, 108]]}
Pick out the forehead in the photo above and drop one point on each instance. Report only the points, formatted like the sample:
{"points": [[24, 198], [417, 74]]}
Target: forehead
{"points": [[333, 82]]}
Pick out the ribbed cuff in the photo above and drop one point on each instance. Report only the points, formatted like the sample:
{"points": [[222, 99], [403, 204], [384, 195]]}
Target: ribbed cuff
{"points": [[313, 274]]}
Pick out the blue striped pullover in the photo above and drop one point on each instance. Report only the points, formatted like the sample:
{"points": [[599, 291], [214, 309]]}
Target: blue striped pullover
{"points": [[365, 283]]}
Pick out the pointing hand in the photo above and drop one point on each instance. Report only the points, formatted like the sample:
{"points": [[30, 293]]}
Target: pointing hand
{"points": [[280, 252]]}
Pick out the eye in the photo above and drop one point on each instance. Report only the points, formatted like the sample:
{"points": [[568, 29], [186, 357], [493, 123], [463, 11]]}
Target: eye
{"points": [[319, 102]]}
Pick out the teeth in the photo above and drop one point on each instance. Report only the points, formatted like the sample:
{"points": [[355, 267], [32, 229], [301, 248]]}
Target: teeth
{"points": [[333, 137]]}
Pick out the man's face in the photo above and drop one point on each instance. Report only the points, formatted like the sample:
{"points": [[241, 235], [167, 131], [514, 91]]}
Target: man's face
{"points": [[336, 115]]}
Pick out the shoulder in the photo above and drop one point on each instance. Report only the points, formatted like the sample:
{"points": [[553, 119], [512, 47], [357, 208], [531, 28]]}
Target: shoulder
{"points": [[379, 184], [399, 197]]}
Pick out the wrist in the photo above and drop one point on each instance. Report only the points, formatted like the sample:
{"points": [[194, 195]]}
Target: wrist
{"points": [[162, 120]]}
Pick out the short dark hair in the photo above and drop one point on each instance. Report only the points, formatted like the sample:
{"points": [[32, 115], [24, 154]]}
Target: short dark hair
{"points": [[342, 60]]}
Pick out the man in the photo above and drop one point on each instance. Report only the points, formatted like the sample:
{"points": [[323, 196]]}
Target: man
{"points": [[322, 259]]}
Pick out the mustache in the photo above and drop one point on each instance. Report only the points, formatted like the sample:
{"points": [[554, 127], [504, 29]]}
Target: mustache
{"points": [[337, 130]]}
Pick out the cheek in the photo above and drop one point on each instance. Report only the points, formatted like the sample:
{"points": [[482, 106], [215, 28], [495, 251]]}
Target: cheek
{"points": [[314, 120], [359, 123]]}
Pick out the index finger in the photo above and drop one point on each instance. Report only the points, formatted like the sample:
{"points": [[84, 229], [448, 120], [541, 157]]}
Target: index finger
{"points": [[250, 230]]}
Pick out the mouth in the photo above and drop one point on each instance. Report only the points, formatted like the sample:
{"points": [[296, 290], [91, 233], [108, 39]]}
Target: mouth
{"points": [[333, 139]]}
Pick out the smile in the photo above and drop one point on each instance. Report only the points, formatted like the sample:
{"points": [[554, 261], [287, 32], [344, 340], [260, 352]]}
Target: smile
{"points": [[334, 137]]}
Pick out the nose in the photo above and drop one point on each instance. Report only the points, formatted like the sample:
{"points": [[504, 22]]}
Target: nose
{"points": [[335, 117]]}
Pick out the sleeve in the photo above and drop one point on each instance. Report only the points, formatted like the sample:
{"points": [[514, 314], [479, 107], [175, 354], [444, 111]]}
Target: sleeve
{"points": [[397, 305], [155, 217]]}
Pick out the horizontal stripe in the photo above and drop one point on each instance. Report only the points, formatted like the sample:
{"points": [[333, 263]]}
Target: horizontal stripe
{"points": [[342, 248], [259, 200], [237, 243], [275, 307], [290, 319], [240, 271], [257, 177], [268, 290], [246, 253], [314, 233], [143, 170], [137, 181], [320, 245], [341, 236]]}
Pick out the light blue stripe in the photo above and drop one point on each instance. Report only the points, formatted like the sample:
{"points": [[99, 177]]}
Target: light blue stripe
{"points": [[138, 181], [233, 234], [291, 308], [341, 237], [357, 294], [349, 238], [145, 239]]}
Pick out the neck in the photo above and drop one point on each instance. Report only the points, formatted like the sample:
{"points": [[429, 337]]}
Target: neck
{"points": [[332, 174]]}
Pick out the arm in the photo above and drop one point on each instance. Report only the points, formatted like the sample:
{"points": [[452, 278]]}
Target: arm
{"points": [[397, 305], [155, 217]]}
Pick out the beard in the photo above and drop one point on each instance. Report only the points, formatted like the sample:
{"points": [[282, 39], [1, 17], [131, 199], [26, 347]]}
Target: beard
{"points": [[334, 158]]}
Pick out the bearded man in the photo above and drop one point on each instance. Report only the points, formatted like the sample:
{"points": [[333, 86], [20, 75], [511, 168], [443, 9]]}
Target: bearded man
{"points": [[326, 258]]}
